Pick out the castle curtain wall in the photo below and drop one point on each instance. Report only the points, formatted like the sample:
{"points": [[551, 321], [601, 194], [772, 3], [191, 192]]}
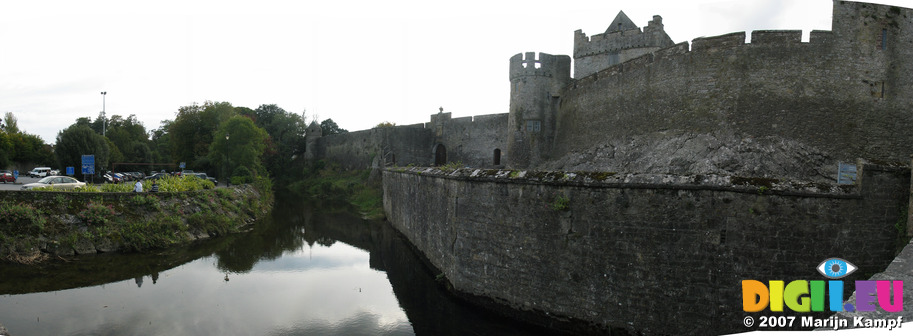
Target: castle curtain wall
{"points": [[826, 93]]}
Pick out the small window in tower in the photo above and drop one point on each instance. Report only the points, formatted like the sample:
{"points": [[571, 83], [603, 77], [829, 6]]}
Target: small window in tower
{"points": [[533, 126], [884, 39]]}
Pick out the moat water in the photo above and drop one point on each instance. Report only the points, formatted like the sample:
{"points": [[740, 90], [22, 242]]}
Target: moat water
{"points": [[299, 272]]}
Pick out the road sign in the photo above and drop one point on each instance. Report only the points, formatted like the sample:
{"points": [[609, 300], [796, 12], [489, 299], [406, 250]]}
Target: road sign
{"points": [[71, 171], [88, 164], [846, 173], [15, 174], [183, 165]]}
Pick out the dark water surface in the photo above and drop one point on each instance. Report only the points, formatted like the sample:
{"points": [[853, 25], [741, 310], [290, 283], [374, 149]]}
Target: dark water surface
{"points": [[299, 272]]}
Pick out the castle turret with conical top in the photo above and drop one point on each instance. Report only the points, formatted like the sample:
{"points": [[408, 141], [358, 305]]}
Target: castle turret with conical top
{"points": [[534, 86]]}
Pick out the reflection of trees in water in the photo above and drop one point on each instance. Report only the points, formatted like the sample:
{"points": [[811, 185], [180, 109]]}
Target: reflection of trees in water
{"points": [[287, 229], [326, 242], [103, 268], [281, 231]]}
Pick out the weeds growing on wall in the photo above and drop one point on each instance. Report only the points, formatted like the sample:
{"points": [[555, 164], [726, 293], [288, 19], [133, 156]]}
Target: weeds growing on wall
{"points": [[96, 214], [19, 219], [561, 203]]}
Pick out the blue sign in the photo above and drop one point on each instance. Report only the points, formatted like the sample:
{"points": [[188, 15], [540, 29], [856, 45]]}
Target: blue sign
{"points": [[846, 173], [88, 164], [71, 171], [15, 174], [183, 165]]}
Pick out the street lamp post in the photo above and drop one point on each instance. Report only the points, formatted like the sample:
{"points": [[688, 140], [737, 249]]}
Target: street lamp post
{"points": [[225, 164], [104, 119]]}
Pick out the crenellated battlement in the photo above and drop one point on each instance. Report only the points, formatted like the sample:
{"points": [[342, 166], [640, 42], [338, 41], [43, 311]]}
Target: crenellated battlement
{"points": [[784, 37], [546, 65], [789, 41]]}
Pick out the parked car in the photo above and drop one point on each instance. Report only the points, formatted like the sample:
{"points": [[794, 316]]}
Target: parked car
{"points": [[7, 176], [156, 176], [39, 172], [113, 178], [206, 177], [56, 182], [125, 177]]}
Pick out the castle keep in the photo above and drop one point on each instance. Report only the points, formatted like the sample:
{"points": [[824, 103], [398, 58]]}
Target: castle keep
{"points": [[772, 107]]}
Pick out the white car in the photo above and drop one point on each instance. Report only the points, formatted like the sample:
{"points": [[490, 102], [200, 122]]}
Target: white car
{"points": [[40, 172], [56, 182]]}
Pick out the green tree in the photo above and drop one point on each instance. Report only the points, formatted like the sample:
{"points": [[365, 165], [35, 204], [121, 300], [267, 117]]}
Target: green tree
{"points": [[329, 127], [6, 148], [129, 136], [19, 147], [286, 138], [161, 143], [30, 148], [192, 132], [238, 143], [78, 140], [10, 123]]}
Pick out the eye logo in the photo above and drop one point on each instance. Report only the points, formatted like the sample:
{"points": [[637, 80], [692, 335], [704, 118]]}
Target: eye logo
{"points": [[836, 268]]}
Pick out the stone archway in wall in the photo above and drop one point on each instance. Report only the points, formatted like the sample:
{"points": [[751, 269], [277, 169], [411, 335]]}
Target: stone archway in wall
{"points": [[440, 155]]}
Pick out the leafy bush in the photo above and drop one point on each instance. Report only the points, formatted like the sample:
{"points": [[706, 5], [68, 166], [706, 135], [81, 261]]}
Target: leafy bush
{"points": [[87, 188], [160, 232], [147, 201], [96, 214], [116, 187], [21, 219], [241, 174]]}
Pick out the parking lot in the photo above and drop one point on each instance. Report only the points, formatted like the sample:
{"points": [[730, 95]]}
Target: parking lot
{"points": [[23, 179], [19, 182]]}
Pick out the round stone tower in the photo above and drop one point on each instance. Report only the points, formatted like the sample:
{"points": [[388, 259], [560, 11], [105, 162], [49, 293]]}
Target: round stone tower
{"points": [[534, 87]]}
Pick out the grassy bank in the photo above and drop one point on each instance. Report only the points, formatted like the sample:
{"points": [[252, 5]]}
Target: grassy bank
{"points": [[38, 225], [327, 183]]}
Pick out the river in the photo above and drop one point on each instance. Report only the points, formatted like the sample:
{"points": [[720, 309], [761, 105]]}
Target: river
{"points": [[297, 272]]}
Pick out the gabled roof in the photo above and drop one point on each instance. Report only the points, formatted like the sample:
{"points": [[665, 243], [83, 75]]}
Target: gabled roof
{"points": [[621, 23]]}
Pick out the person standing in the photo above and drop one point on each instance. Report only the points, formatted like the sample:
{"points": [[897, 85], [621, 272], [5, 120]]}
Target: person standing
{"points": [[138, 187]]}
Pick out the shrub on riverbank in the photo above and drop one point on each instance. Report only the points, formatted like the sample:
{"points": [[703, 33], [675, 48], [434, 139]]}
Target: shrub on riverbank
{"points": [[329, 183], [33, 225], [166, 184]]}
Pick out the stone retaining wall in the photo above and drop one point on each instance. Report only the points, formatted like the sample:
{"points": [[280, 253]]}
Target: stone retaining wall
{"points": [[639, 251]]}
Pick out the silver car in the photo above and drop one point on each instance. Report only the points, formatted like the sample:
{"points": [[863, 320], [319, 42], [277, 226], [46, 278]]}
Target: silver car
{"points": [[56, 182]]}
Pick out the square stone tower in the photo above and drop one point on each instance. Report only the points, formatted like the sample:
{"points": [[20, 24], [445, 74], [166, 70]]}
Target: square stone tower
{"points": [[622, 41]]}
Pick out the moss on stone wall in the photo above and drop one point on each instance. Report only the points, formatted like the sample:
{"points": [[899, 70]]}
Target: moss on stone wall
{"points": [[37, 225]]}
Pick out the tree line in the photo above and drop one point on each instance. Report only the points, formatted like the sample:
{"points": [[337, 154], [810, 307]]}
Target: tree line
{"points": [[216, 137]]}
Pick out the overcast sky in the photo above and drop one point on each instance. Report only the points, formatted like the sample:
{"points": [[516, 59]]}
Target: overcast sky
{"points": [[357, 62]]}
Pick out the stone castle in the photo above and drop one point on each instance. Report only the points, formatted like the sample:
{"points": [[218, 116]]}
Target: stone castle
{"points": [[641, 190], [772, 107]]}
